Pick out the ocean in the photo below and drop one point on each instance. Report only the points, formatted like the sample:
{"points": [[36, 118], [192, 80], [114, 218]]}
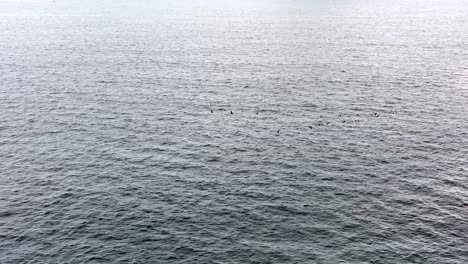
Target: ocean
{"points": [[281, 131]]}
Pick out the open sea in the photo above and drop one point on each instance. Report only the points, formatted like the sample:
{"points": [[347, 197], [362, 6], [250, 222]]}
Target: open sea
{"points": [[236, 131]]}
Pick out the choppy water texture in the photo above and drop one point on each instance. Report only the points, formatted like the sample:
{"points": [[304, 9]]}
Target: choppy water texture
{"points": [[347, 142]]}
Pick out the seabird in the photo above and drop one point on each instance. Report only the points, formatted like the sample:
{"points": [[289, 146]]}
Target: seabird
{"points": [[232, 113]]}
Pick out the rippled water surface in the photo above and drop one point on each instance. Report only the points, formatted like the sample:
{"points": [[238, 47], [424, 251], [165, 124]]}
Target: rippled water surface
{"points": [[347, 141]]}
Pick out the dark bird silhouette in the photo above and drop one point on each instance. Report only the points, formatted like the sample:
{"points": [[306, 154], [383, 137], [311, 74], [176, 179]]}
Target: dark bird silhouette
{"points": [[310, 127], [232, 113], [278, 131], [211, 111]]}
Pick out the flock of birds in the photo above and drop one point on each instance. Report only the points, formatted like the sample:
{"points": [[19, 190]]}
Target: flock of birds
{"points": [[374, 114]]}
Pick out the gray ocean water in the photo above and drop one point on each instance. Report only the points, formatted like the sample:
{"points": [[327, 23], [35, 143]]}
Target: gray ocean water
{"points": [[347, 142]]}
